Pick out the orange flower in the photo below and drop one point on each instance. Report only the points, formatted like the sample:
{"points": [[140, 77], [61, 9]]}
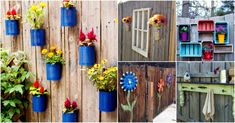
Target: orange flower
{"points": [[161, 85], [126, 19]]}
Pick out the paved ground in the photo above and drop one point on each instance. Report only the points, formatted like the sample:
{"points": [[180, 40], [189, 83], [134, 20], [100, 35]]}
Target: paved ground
{"points": [[168, 115]]}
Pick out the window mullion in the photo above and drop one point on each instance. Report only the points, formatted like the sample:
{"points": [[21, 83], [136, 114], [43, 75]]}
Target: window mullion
{"points": [[137, 34], [142, 33]]}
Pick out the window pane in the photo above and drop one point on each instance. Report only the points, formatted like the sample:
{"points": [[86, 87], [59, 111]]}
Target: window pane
{"points": [[135, 21], [145, 19], [135, 37], [145, 41], [139, 39], [140, 20]]}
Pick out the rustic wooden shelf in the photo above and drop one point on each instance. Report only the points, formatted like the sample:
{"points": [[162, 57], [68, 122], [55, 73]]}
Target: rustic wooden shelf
{"points": [[223, 48]]}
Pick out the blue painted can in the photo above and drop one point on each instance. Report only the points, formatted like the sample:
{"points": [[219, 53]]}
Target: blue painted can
{"points": [[87, 55], [39, 103], [53, 71], [70, 117], [37, 37], [68, 16], [107, 101], [12, 27]]}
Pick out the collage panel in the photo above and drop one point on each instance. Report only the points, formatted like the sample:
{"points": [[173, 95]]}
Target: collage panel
{"points": [[146, 31], [205, 91], [146, 92], [205, 30]]}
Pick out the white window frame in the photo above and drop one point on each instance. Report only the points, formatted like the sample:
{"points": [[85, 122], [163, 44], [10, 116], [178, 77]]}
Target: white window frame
{"points": [[135, 47]]}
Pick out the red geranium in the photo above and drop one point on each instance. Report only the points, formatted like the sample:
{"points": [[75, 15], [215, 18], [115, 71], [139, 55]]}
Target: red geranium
{"points": [[13, 12], [36, 84], [82, 36], [67, 103], [8, 13], [91, 35], [41, 90]]}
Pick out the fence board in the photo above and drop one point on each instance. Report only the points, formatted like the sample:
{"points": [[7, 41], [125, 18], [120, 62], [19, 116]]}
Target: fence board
{"points": [[74, 83]]}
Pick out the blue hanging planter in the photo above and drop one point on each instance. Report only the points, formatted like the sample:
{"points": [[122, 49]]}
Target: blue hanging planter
{"points": [[70, 117], [53, 71], [68, 16], [12, 27], [37, 37], [107, 101], [87, 55], [39, 103]]}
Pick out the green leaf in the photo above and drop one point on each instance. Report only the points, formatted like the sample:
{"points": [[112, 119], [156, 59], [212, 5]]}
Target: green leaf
{"points": [[125, 107], [17, 110]]}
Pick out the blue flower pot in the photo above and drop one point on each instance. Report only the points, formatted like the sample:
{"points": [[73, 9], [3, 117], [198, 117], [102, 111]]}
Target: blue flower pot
{"points": [[70, 117], [37, 37], [107, 101], [87, 55], [12, 27], [39, 103], [68, 16], [53, 71]]}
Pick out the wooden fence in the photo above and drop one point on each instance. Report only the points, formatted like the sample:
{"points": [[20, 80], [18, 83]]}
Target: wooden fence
{"points": [[194, 101], [161, 50], [148, 75], [218, 56], [74, 83]]}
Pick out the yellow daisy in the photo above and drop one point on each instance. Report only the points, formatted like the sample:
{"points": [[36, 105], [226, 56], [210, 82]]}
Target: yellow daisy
{"points": [[101, 78], [44, 51], [50, 54], [59, 52], [43, 4], [52, 48], [34, 8]]}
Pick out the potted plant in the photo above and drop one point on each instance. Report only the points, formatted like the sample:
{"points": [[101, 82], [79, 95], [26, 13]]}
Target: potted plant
{"points": [[158, 21], [87, 48], [35, 16], [207, 52], [221, 31], [184, 33], [54, 61], [127, 21], [105, 79], [70, 111], [68, 14], [39, 98], [12, 22]]}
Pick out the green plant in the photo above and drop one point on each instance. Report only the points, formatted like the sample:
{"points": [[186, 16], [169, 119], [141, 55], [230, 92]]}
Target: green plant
{"points": [[35, 15], [129, 106], [104, 78], [36, 90], [184, 29], [67, 3], [53, 56], [14, 85]]}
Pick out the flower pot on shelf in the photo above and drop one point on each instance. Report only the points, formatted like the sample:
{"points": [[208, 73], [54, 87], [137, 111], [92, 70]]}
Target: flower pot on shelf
{"points": [[70, 117], [39, 103], [37, 37], [86, 55], [68, 16], [12, 27], [208, 55], [53, 71], [107, 101], [184, 36], [221, 38]]}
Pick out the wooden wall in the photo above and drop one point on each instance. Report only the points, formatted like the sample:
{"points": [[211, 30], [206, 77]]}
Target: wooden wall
{"points": [[194, 102], [74, 83], [217, 57], [148, 75], [162, 50]]}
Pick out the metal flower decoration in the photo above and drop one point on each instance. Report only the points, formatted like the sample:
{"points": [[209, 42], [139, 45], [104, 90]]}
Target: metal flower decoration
{"points": [[128, 81], [161, 85], [169, 79]]}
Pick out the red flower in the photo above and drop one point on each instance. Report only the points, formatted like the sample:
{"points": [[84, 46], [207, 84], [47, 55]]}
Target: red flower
{"points": [[74, 104], [65, 0], [67, 103], [36, 84], [91, 35], [41, 90], [82, 36], [13, 12], [8, 12]]}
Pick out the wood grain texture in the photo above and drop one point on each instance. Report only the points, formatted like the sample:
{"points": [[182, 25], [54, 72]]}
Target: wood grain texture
{"points": [[74, 82]]}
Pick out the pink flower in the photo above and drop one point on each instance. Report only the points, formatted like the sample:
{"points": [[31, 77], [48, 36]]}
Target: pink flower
{"points": [[74, 104], [67, 103], [13, 12], [82, 36], [41, 90], [91, 35]]}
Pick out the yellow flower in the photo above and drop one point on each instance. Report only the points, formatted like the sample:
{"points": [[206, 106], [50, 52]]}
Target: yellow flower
{"points": [[104, 61], [97, 66], [50, 54], [101, 78], [52, 48], [106, 71], [34, 7], [59, 52], [44, 51], [43, 4]]}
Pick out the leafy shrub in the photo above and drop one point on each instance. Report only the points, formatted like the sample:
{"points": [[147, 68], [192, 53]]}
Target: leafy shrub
{"points": [[14, 85]]}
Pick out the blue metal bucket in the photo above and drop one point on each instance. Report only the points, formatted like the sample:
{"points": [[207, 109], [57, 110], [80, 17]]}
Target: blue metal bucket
{"points": [[12, 27], [70, 117], [107, 101], [68, 16], [37, 37], [87, 55], [39, 103], [53, 71]]}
